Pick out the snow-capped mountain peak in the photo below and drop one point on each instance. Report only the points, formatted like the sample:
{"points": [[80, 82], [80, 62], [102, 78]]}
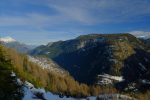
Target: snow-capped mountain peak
{"points": [[141, 34], [7, 39]]}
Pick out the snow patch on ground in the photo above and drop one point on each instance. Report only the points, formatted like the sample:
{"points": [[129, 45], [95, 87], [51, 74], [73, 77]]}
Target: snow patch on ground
{"points": [[108, 79], [117, 78], [142, 66], [13, 74], [144, 81]]}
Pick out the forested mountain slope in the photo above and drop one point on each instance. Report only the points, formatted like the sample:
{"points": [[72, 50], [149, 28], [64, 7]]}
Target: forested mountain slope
{"points": [[26, 70], [90, 55]]}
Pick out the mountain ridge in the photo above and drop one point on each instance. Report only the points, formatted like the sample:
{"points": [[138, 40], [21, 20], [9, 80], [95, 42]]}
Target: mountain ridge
{"points": [[94, 54]]}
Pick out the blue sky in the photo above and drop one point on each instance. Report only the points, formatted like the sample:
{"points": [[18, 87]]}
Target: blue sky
{"points": [[42, 21]]}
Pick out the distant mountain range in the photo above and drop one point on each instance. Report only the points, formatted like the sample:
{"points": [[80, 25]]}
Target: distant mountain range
{"points": [[88, 56], [12, 43], [141, 34]]}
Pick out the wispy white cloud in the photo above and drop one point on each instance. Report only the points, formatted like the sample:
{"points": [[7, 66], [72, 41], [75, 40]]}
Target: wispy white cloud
{"points": [[84, 12], [102, 11]]}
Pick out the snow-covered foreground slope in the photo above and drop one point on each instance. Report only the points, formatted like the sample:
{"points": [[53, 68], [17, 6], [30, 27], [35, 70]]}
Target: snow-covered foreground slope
{"points": [[29, 95], [32, 93]]}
